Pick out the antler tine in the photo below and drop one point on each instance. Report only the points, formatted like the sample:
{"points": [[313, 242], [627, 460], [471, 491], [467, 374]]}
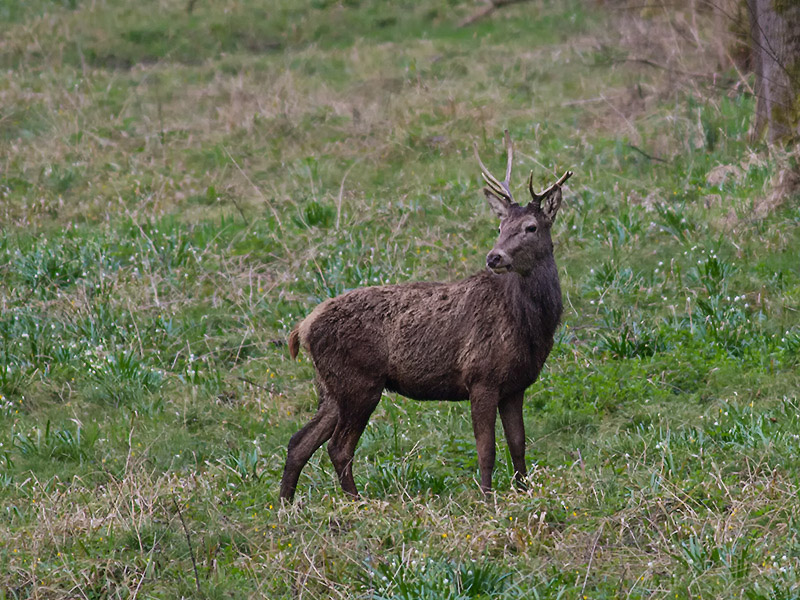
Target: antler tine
{"points": [[510, 152], [536, 197], [564, 177], [498, 187], [558, 183]]}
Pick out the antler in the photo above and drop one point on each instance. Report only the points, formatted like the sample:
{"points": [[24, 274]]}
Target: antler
{"points": [[499, 188], [539, 197]]}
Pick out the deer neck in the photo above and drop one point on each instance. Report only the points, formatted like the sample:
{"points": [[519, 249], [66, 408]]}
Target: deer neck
{"points": [[535, 298]]}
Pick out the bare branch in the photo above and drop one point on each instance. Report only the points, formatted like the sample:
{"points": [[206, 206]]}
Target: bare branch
{"points": [[486, 10]]}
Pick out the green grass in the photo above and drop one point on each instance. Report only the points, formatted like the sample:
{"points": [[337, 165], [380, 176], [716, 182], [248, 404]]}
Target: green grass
{"points": [[178, 188]]}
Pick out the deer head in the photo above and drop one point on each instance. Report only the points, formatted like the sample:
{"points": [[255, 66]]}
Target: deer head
{"points": [[524, 230]]}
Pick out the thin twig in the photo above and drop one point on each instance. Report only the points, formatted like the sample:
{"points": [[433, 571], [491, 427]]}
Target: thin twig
{"points": [[189, 543], [264, 198], [591, 556], [341, 195], [488, 9], [710, 78], [160, 111], [646, 155], [241, 212], [253, 383]]}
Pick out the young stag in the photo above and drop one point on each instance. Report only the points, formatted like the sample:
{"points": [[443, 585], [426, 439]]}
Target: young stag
{"points": [[484, 339]]}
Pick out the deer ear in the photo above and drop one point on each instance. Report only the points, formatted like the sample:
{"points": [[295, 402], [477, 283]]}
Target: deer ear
{"points": [[498, 204], [550, 203]]}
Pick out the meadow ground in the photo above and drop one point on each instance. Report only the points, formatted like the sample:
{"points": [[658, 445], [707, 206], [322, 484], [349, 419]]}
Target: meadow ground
{"points": [[182, 181]]}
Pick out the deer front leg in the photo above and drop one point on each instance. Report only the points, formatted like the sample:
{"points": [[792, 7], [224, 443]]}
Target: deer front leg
{"points": [[484, 414], [510, 409]]}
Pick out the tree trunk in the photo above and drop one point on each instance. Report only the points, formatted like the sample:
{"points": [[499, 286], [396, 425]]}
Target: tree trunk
{"points": [[775, 36]]}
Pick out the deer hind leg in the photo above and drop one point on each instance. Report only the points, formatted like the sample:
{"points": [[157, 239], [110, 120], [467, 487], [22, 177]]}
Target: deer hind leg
{"points": [[510, 409], [306, 441], [352, 422]]}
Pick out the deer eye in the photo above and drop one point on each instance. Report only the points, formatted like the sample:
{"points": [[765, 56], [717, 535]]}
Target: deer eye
{"points": [[531, 229]]}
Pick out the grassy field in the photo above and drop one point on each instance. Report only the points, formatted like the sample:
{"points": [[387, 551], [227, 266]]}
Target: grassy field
{"points": [[178, 188]]}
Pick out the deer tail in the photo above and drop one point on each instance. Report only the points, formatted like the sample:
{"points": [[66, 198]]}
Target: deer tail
{"points": [[294, 343], [299, 335]]}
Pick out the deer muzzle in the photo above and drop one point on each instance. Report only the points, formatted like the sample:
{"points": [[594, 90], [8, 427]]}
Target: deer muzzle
{"points": [[498, 261]]}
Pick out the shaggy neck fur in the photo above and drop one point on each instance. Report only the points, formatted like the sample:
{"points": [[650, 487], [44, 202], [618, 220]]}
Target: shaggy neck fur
{"points": [[534, 299]]}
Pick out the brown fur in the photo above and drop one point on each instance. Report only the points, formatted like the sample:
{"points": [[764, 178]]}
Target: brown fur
{"points": [[484, 339], [294, 343]]}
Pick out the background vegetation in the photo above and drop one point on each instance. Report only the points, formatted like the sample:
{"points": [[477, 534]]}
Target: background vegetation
{"points": [[179, 187]]}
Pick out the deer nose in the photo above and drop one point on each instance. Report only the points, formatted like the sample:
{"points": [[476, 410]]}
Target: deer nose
{"points": [[498, 261]]}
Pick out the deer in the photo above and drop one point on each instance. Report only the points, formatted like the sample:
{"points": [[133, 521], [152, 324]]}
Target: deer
{"points": [[483, 339]]}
